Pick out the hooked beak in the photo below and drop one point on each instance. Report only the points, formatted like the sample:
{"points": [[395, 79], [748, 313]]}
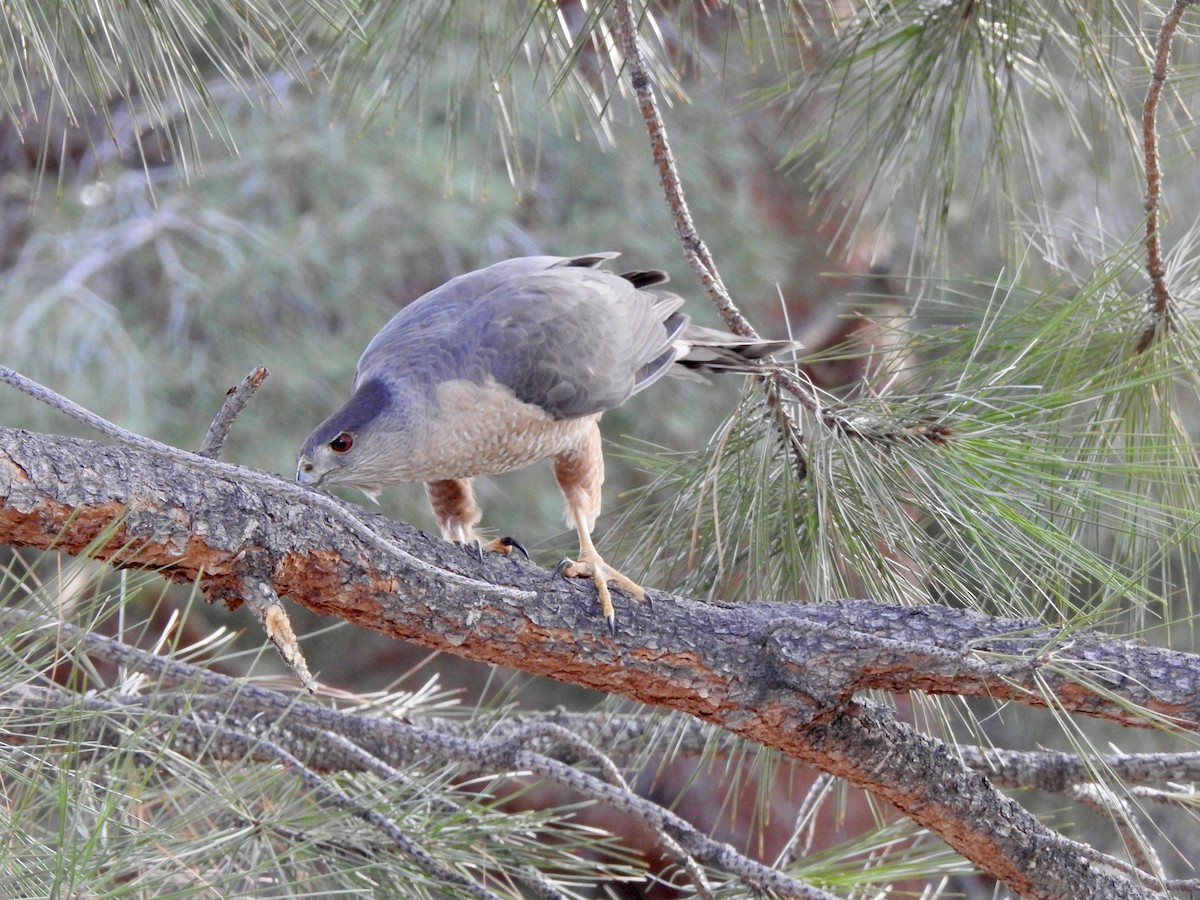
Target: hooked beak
{"points": [[304, 472]]}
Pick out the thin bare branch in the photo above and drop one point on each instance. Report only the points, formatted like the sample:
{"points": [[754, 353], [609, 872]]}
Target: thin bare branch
{"points": [[557, 739], [268, 609], [800, 843], [1048, 770], [1110, 804], [235, 402], [325, 789], [695, 250], [533, 879], [1159, 304]]}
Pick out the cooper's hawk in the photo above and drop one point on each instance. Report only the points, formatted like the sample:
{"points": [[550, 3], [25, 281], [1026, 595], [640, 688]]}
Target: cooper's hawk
{"points": [[506, 366]]}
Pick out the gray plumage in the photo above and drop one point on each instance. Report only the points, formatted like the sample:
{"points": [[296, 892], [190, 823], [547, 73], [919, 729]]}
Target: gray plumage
{"points": [[561, 335], [506, 366]]}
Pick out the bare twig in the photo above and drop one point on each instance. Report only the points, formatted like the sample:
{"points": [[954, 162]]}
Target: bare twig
{"points": [[235, 402], [1178, 795], [1159, 303], [1175, 886], [800, 843], [248, 476], [557, 739], [694, 248], [1108, 803], [400, 840]]}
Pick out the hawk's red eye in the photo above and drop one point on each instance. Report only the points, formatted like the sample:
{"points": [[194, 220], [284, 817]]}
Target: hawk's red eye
{"points": [[341, 443]]}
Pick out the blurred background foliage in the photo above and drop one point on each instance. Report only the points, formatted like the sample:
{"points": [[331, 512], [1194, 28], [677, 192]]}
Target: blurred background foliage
{"points": [[944, 201]]}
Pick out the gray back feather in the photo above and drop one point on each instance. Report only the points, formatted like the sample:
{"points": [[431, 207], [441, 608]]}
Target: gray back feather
{"points": [[562, 335]]}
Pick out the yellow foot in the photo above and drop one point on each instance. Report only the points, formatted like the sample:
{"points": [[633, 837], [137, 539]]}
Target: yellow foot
{"points": [[602, 575]]}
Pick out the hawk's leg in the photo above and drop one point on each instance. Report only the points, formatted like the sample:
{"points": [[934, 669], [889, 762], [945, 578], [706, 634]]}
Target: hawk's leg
{"points": [[580, 473], [457, 514]]}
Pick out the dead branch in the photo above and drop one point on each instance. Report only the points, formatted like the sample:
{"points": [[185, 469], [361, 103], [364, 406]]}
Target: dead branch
{"points": [[235, 402]]}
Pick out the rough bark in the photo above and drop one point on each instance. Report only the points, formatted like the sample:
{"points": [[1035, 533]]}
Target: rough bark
{"points": [[784, 675]]}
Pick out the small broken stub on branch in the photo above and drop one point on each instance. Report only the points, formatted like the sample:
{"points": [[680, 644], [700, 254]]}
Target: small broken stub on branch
{"points": [[274, 618]]}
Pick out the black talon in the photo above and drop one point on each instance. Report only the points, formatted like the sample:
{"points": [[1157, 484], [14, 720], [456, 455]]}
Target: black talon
{"points": [[514, 544], [562, 566], [478, 549], [612, 625]]}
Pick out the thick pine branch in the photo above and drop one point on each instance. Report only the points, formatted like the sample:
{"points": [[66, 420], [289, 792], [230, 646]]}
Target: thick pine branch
{"points": [[780, 674]]}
